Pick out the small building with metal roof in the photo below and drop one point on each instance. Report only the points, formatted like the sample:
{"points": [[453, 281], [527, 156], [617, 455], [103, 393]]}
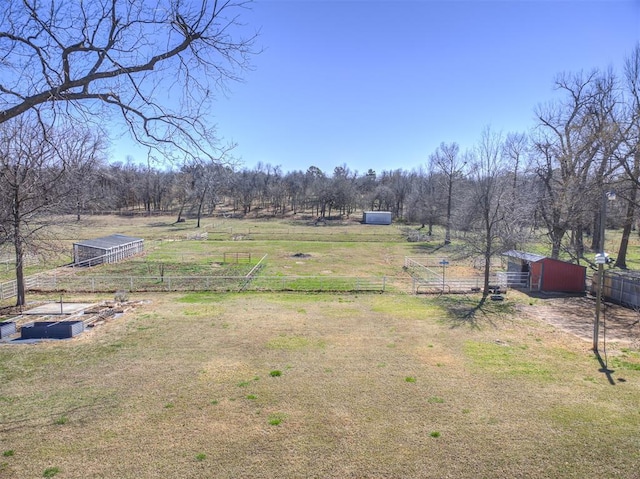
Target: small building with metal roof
{"points": [[108, 249], [376, 217], [541, 273]]}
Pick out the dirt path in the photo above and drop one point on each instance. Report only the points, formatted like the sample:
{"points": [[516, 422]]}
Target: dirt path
{"points": [[576, 315]]}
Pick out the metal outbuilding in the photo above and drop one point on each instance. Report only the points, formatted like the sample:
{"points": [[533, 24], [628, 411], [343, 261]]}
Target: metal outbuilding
{"points": [[108, 249], [376, 217], [541, 273]]}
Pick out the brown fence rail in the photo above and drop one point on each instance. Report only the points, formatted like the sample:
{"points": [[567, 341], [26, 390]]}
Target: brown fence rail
{"points": [[236, 257]]}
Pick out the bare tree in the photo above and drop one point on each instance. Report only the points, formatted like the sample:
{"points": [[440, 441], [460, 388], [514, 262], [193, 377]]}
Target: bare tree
{"points": [[32, 181], [157, 64], [296, 190], [382, 198], [629, 153], [319, 190], [424, 203], [516, 148], [244, 189], [83, 153], [447, 161], [574, 143], [182, 190], [207, 177], [494, 203], [398, 183]]}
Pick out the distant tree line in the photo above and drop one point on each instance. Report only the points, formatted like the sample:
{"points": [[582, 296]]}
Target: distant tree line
{"points": [[68, 66], [553, 179]]}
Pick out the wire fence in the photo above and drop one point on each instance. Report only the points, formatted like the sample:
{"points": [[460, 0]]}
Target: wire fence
{"points": [[429, 276], [110, 284], [449, 285], [423, 279], [64, 280], [418, 268]]}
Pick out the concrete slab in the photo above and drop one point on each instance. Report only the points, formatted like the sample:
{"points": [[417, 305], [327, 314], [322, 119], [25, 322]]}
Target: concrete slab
{"points": [[57, 308]]}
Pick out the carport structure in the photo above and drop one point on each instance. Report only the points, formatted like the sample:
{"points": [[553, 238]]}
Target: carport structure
{"points": [[108, 249]]}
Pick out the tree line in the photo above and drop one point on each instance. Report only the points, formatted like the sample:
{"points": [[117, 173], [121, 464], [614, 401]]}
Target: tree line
{"points": [[69, 68], [497, 194]]}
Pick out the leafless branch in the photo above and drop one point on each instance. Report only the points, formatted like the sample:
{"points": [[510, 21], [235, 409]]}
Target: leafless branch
{"points": [[136, 58]]}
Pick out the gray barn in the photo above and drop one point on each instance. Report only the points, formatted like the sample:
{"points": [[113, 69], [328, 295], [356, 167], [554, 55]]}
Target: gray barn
{"points": [[108, 249], [376, 217]]}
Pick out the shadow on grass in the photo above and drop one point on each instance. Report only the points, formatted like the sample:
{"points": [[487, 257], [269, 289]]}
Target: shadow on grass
{"points": [[428, 248], [604, 368], [473, 311], [432, 247]]}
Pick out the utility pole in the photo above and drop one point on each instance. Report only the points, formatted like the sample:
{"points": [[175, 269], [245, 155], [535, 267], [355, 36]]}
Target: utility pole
{"points": [[601, 259]]}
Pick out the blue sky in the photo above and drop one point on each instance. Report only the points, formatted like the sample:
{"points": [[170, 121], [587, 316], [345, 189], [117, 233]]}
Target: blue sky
{"points": [[380, 84]]}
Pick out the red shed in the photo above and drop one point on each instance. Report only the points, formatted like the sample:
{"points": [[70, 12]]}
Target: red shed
{"points": [[547, 274]]}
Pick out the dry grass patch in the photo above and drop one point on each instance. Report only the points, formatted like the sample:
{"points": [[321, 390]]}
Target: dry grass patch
{"points": [[183, 387]]}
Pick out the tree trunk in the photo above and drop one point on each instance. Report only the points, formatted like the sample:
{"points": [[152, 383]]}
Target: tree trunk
{"points": [[488, 248], [200, 203], [180, 213], [595, 238], [556, 236], [621, 260], [487, 271], [20, 290], [447, 233], [578, 241]]}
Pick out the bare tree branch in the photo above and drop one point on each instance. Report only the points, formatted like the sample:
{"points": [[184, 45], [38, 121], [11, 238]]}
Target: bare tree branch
{"points": [[136, 58]]}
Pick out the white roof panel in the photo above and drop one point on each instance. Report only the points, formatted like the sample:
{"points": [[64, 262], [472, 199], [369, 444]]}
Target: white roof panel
{"points": [[531, 257], [108, 242]]}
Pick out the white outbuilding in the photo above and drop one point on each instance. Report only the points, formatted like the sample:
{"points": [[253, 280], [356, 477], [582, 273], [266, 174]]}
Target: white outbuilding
{"points": [[376, 217], [108, 249]]}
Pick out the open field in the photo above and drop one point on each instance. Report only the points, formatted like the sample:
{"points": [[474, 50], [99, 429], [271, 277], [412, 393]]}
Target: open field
{"points": [[337, 247], [265, 385], [368, 386], [343, 248]]}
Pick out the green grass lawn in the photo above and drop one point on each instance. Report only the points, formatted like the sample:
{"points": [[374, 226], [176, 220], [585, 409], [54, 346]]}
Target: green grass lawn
{"points": [[340, 245]]}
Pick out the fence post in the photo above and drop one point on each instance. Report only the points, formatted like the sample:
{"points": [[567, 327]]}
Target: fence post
{"points": [[131, 284], [384, 283]]}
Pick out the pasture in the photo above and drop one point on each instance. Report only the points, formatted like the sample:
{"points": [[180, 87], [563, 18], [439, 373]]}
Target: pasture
{"points": [[327, 385]]}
